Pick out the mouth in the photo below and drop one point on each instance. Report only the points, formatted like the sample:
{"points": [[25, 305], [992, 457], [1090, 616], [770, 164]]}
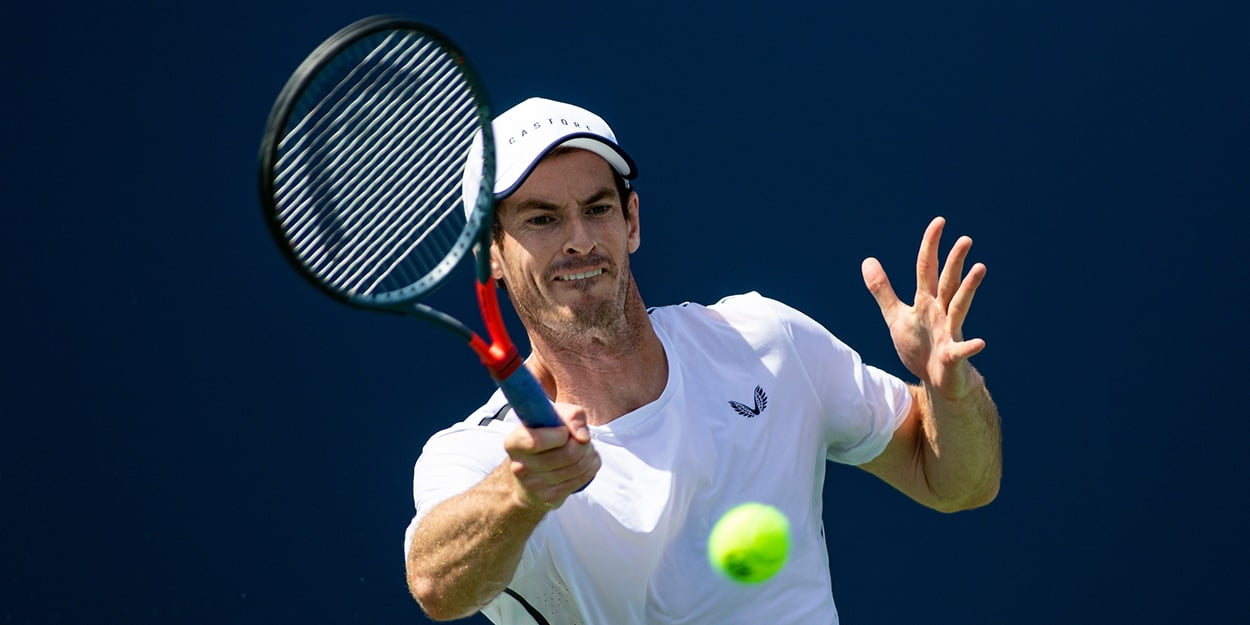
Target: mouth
{"points": [[579, 276]]}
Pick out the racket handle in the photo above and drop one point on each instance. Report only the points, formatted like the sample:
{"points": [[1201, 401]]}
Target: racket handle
{"points": [[529, 400]]}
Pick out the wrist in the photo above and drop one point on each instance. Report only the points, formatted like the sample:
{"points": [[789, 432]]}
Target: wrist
{"points": [[961, 385]]}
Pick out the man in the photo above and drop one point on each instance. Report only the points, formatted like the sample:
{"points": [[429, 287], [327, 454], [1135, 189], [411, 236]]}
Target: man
{"points": [[650, 427]]}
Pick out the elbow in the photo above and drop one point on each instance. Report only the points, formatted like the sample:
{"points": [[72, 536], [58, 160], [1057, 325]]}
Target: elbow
{"points": [[423, 590], [970, 500], [434, 612], [434, 600], [963, 505]]}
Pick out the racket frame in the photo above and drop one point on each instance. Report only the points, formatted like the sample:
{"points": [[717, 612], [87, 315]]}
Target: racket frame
{"points": [[499, 355]]}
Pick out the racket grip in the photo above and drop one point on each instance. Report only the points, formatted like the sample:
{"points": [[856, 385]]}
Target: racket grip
{"points": [[529, 400]]}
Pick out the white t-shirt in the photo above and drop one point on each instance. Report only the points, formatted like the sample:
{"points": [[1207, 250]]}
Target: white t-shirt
{"points": [[632, 547]]}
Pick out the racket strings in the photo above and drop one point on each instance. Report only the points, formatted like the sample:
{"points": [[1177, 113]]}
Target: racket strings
{"points": [[359, 111], [370, 145], [362, 226], [368, 181], [309, 151], [434, 187]]}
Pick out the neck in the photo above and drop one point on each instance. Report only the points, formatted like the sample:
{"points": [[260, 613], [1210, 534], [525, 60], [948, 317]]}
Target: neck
{"points": [[607, 371]]}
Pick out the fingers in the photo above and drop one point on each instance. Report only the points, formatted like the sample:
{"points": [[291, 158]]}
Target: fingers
{"points": [[961, 300], [964, 350], [956, 295], [538, 440], [953, 270], [879, 285], [942, 287], [951, 283], [927, 259], [551, 463]]}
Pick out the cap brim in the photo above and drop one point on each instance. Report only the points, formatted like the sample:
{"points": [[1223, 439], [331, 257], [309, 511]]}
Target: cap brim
{"points": [[508, 182]]}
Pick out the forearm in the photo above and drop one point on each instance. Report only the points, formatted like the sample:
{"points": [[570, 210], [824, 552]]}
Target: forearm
{"points": [[467, 549], [960, 445]]}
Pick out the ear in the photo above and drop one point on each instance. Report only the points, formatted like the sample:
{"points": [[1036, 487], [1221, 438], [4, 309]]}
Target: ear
{"points": [[635, 229], [496, 268]]}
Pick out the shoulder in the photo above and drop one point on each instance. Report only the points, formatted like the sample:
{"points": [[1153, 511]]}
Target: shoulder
{"points": [[752, 312], [752, 305], [460, 455], [480, 433], [495, 416], [740, 309], [766, 325]]}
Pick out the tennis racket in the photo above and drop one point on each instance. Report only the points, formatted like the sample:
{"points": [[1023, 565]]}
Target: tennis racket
{"points": [[361, 169]]}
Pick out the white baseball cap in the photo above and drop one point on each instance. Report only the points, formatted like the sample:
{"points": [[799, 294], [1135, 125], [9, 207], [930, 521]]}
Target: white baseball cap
{"points": [[525, 133]]}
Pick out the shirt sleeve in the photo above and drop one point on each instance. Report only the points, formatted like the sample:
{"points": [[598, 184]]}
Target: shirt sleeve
{"points": [[863, 405], [453, 460]]}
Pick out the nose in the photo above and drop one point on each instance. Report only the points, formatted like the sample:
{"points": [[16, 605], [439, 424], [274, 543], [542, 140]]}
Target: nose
{"points": [[579, 239]]}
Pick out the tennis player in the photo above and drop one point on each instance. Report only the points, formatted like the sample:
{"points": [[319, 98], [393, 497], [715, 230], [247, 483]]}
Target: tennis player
{"points": [[673, 415]]}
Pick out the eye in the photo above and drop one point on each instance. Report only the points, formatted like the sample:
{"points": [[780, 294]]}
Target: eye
{"points": [[602, 209], [540, 220]]}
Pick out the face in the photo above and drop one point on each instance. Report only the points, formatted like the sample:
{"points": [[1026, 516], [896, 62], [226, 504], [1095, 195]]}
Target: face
{"points": [[564, 253]]}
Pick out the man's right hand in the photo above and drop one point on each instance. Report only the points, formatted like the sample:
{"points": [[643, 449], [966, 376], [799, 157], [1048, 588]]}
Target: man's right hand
{"points": [[549, 464]]}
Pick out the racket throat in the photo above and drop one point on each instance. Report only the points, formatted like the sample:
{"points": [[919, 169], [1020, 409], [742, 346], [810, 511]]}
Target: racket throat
{"points": [[500, 356], [502, 364]]}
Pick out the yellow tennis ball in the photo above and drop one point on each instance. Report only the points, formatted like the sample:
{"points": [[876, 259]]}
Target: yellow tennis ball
{"points": [[750, 543]]}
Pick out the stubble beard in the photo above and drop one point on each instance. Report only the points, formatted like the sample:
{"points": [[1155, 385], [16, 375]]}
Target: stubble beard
{"points": [[603, 323]]}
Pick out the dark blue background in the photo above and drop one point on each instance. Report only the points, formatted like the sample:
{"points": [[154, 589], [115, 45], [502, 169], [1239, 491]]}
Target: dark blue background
{"points": [[191, 434]]}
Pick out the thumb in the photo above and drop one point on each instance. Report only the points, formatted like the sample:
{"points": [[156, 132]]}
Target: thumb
{"points": [[574, 418], [879, 285]]}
